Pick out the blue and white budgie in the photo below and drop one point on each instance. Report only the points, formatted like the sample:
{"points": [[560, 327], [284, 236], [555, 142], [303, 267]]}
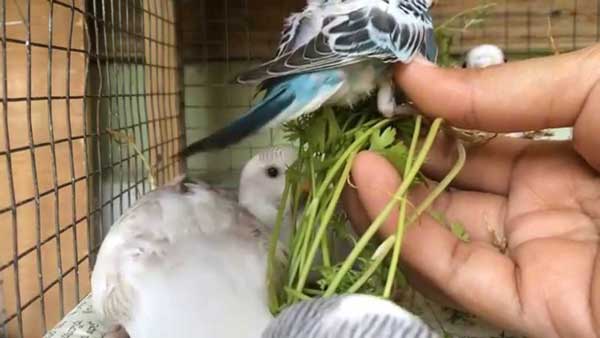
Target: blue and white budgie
{"points": [[333, 53], [356, 316]]}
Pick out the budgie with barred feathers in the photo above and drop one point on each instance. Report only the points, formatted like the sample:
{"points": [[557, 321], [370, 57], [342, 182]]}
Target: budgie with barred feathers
{"points": [[333, 53]]}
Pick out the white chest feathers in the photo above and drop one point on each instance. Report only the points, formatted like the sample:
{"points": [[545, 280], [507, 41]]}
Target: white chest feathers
{"points": [[360, 81]]}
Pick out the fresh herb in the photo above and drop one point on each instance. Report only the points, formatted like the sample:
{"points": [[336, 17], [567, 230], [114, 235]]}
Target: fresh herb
{"points": [[328, 141]]}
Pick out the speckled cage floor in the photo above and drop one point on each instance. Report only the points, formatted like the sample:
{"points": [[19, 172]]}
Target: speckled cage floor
{"points": [[97, 95]]}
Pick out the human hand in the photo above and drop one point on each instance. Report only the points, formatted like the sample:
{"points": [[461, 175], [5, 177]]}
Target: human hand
{"points": [[542, 197]]}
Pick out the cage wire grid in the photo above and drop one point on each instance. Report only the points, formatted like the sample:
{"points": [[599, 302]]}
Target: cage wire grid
{"points": [[90, 92], [89, 85]]}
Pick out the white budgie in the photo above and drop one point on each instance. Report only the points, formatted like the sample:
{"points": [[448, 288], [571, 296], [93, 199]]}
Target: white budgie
{"points": [[484, 56], [261, 187], [184, 261], [333, 53], [262, 183]]}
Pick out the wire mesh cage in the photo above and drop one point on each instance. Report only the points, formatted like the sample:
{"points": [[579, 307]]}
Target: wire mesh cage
{"points": [[90, 94], [98, 95]]}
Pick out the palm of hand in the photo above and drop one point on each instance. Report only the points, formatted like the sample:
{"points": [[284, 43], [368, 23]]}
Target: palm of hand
{"points": [[544, 211], [552, 228], [540, 199]]}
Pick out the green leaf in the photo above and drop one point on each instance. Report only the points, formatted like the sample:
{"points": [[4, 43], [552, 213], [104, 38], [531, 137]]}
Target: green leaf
{"points": [[456, 227], [324, 136], [333, 128], [438, 217], [397, 155], [380, 141], [459, 231]]}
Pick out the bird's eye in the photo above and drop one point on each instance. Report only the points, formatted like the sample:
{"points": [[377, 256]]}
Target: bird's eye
{"points": [[272, 172]]}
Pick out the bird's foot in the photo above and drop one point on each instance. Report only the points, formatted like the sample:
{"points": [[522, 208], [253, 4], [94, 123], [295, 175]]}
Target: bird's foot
{"points": [[387, 104]]}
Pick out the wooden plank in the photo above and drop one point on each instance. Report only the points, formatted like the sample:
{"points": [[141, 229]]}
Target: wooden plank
{"points": [[522, 26], [2, 310]]}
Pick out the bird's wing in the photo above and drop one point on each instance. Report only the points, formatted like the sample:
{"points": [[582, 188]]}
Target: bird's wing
{"points": [[359, 316], [149, 234], [112, 295], [300, 28], [289, 34], [344, 34]]}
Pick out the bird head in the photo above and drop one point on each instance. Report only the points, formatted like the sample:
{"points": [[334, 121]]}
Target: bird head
{"points": [[262, 182]]}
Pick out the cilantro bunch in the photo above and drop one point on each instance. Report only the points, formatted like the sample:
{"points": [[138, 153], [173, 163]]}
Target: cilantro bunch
{"points": [[329, 140]]}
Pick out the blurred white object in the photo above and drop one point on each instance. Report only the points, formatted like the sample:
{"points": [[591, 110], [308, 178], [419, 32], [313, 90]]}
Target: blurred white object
{"points": [[557, 134], [184, 261], [484, 56], [347, 316]]}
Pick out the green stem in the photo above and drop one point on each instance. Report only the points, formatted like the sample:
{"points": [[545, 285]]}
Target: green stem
{"points": [[381, 253], [324, 222], [312, 292], [318, 193], [325, 252], [402, 215], [273, 299], [378, 222], [436, 191], [446, 23], [312, 216], [296, 294], [351, 149], [299, 239]]}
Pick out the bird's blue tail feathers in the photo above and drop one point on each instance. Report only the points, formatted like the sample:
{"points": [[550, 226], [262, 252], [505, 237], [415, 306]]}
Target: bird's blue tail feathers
{"points": [[286, 98], [275, 102]]}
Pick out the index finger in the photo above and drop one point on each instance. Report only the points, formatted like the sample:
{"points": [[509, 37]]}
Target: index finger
{"points": [[549, 92]]}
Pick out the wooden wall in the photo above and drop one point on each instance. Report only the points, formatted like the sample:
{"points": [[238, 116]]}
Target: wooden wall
{"points": [[57, 187], [238, 29], [522, 26], [45, 238]]}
